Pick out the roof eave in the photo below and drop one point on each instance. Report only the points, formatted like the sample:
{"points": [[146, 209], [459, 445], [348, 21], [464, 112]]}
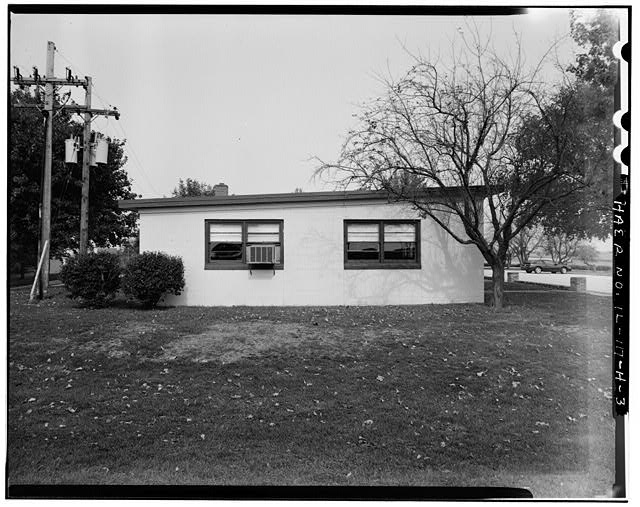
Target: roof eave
{"points": [[263, 199]]}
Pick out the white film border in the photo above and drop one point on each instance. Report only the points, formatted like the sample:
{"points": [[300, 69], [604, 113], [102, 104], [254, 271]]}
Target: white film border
{"points": [[623, 91]]}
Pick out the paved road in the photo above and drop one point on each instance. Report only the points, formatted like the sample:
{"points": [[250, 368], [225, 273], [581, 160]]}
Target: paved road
{"points": [[600, 284]]}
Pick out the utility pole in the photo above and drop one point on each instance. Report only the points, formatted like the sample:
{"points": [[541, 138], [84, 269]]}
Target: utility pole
{"points": [[86, 160], [50, 82], [45, 226]]}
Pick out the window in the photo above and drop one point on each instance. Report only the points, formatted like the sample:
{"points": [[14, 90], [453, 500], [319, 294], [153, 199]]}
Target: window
{"points": [[227, 241], [363, 242], [382, 244]]}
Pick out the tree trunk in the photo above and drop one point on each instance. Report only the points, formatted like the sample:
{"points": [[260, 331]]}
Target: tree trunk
{"points": [[497, 277]]}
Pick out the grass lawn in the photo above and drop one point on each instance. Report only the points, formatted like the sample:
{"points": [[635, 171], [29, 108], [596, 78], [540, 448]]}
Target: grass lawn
{"points": [[434, 395]]}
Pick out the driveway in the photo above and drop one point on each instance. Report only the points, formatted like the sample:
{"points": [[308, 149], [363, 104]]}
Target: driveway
{"points": [[597, 284]]}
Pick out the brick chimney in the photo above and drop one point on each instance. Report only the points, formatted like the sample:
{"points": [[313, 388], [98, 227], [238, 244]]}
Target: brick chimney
{"points": [[220, 190]]}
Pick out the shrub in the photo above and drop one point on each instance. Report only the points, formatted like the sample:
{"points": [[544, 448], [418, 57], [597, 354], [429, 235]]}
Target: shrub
{"points": [[584, 267], [151, 275], [92, 278]]}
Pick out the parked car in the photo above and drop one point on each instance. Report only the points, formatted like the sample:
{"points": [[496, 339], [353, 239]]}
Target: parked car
{"points": [[548, 266]]}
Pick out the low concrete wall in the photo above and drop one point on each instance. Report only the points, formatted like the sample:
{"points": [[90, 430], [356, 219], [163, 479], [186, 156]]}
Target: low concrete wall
{"points": [[513, 277], [596, 284], [579, 283]]}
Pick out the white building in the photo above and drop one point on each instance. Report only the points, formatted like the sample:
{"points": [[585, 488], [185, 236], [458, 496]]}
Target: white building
{"points": [[316, 248]]}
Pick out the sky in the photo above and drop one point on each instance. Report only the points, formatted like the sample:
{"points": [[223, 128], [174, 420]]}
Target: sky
{"points": [[248, 100]]}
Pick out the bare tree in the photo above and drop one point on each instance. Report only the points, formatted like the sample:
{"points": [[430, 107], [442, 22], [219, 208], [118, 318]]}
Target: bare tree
{"points": [[525, 243], [482, 124], [561, 247]]}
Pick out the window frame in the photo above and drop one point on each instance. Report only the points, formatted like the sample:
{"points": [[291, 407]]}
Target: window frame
{"points": [[242, 265], [381, 263]]}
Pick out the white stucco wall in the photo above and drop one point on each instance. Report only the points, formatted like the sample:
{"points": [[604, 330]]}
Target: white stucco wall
{"points": [[313, 271]]}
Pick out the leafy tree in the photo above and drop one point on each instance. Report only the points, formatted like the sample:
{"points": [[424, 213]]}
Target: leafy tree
{"points": [[586, 253], [587, 213], [477, 124], [192, 188], [596, 35], [108, 225], [26, 159]]}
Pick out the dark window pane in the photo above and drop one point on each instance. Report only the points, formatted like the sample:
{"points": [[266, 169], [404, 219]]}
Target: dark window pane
{"points": [[363, 250], [226, 251], [399, 250]]}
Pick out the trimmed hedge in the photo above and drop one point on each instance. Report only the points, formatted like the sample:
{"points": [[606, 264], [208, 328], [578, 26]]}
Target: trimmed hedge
{"points": [[149, 276], [584, 267], [92, 278]]}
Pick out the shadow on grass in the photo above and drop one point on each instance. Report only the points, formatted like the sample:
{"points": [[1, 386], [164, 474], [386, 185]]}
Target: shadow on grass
{"points": [[27, 281], [131, 304], [119, 302]]}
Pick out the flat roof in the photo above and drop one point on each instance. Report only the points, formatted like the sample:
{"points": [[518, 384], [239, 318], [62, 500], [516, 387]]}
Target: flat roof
{"points": [[285, 198]]}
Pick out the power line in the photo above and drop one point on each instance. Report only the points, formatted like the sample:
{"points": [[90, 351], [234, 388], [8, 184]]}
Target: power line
{"points": [[94, 91], [130, 146], [107, 104], [104, 102], [137, 160]]}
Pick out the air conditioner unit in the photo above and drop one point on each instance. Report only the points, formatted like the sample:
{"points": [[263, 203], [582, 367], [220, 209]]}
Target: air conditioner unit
{"points": [[263, 254]]}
